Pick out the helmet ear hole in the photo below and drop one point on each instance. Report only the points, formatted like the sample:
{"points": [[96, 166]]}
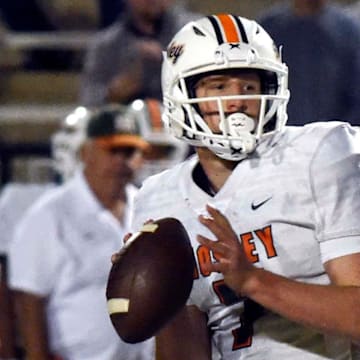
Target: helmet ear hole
{"points": [[269, 84]]}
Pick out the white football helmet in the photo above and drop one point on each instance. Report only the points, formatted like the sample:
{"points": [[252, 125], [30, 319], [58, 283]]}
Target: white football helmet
{"points": [[220, 43], [165, 150], [66, 142]]}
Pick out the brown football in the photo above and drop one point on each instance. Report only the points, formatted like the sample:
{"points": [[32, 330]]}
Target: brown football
{"points": [[151, 281]]}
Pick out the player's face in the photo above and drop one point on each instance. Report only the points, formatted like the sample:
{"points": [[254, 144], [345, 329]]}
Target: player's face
{"points": [[247, 83]]}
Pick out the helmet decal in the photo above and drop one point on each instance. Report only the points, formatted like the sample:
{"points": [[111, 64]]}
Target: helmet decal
{"points": [[228, 28], [174, 51]]}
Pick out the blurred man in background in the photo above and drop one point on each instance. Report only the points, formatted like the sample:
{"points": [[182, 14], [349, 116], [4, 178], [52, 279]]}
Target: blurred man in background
{"points": [[17, 197], [123, 62], [321, 47], [59, 258]]}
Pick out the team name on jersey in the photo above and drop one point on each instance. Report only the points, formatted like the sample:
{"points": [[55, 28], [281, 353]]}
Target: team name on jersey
{"points": [[265, 237]]}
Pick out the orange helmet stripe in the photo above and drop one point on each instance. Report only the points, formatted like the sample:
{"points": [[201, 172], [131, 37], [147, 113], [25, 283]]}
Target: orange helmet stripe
{"points": [[229, 28]]}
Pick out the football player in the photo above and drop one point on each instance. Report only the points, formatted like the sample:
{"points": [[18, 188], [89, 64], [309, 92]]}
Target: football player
{"points": [[272, 211], [67, 141], [165, 150]]}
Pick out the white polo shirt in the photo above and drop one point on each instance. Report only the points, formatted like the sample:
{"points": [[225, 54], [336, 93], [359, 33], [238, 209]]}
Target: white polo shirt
{"points": [[61, 251], [15, 199]]}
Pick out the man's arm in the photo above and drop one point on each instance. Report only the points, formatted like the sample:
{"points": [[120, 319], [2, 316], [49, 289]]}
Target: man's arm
{"points": [[31, 314], [185, 337], [7, 318], [329, 308]]}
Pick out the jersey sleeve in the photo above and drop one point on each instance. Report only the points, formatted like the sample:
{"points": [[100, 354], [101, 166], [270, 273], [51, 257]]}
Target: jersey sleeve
{"points": [[335, 181], [35, 253]]}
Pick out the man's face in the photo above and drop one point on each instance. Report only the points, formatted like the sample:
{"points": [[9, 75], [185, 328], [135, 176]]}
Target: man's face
{"points": [[116, 166], [241, 83]]}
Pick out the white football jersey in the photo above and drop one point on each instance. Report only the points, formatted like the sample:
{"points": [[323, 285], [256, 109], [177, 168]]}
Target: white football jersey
{"points": [[294, 207]]}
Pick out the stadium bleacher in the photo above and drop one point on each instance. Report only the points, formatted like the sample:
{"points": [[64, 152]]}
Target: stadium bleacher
{"points": [[33, 102]]}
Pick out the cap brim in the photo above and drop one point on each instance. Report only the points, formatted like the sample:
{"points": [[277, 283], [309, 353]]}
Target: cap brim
{"points": [[123, 141]]}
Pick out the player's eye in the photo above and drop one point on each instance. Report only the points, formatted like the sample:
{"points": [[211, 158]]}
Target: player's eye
{"points": [[250, 88], [217, 85]]}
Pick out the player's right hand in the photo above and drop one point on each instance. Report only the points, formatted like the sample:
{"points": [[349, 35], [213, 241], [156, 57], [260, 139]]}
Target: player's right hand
{"points": [[115, 257]]}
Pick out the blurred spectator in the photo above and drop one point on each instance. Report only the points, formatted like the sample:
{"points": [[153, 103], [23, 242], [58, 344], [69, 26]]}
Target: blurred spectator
{"points": [[109, 11], [321, 47], [70, 14], [166, 150], [60, 255], [15, 200], [353, 9], [124, 61]]}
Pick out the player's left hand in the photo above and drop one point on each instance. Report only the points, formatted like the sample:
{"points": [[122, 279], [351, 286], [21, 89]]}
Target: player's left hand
{"points": [[231, 259]]}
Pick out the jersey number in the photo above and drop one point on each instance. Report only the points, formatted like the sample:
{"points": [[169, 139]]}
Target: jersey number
{"points": [[242, 335]]}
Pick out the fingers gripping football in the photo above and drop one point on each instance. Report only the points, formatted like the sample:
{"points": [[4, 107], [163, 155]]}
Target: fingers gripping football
{"points": [[232, 261], [150, 279]]}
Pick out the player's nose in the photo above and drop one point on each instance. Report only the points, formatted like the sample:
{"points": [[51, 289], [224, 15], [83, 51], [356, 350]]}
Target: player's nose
{"points": [[236, 104]]}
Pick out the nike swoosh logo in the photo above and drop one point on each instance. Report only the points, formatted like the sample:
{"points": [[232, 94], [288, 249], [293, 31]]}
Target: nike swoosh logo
{"points": [[256, 206]]}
